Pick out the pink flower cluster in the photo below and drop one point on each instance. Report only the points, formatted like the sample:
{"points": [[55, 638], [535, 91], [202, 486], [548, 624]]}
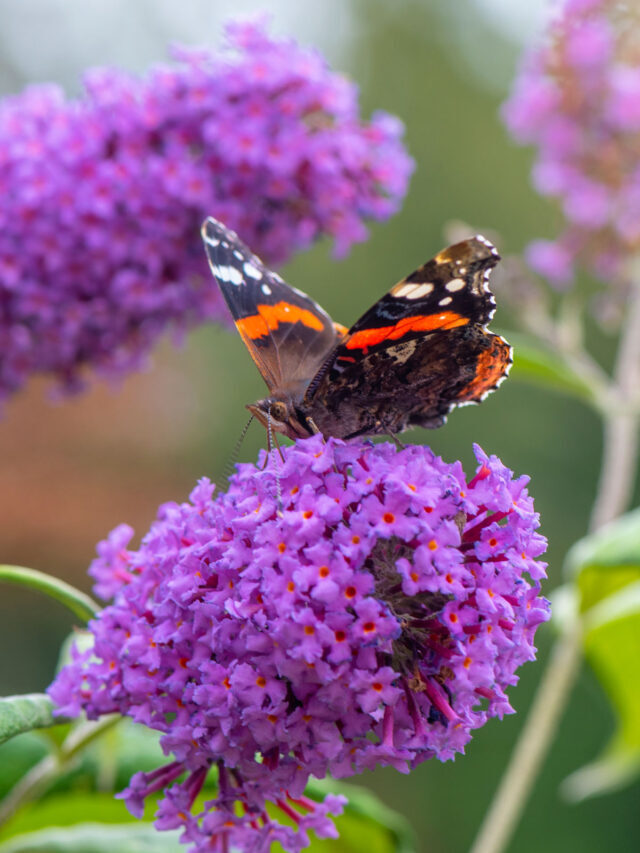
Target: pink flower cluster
{"points": [[577, 98], [375, 613], [102, 198]]}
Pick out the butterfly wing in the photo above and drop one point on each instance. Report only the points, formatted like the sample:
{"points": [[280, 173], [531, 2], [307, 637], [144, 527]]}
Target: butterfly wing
{"points": [[287, 334], [420, 350]]}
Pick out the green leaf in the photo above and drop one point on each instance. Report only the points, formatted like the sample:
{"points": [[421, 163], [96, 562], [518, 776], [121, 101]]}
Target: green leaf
{"points": [[367, 824], [607, 561], [612, 647], [82, 641], [67, 809], [17, 756], [20, 714], [109, 762], [82, 605], [612, 771], [542, 367], [95, 838], [128, 748], [605, 570]]}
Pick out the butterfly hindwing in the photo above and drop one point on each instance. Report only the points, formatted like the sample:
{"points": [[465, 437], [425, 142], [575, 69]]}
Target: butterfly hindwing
{"points": [[287, 333], [420, 350]]}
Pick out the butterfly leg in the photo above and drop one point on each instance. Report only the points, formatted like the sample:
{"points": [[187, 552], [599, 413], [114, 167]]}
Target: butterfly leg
{"points": [[277, 444], [271, 438], [268, 456], [394, 438], [269, 443]]}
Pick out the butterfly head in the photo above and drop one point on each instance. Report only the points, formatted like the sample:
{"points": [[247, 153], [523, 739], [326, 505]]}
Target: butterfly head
{"points": [[280, 414]]}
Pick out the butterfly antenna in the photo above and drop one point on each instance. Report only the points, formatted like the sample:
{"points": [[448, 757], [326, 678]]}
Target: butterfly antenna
{"points": [[271, 442], [231, 462]]}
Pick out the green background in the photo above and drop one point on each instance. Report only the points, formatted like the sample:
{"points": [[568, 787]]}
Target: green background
{"points": [[71, 472]]}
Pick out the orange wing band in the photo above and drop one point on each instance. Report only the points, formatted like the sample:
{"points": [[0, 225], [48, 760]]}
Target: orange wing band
{"points": [[269, 318], [366, 338], [491, 367]]}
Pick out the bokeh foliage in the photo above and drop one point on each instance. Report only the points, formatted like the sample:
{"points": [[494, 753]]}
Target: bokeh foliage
{"points": [[410, 60]]}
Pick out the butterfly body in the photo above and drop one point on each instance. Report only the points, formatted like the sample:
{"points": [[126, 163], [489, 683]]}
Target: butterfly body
{"points": [[422, 349]]}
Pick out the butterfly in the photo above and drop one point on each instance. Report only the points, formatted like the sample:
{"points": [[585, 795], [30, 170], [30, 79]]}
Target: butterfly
{"points": [[420, 350]]}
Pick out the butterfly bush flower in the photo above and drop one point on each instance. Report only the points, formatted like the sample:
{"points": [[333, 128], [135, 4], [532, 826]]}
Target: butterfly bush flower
{"points": [[370, 610], [577, 99], [102, 197]]}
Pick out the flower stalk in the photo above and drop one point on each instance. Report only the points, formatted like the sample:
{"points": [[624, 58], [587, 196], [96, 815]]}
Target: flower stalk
{"points": [[617, 479], [620, 448], [79, 603]]}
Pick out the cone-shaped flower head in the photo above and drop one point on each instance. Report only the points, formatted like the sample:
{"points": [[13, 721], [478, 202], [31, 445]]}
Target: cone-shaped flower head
{"points": [[577, 98], [377, 617], [102, 197]]}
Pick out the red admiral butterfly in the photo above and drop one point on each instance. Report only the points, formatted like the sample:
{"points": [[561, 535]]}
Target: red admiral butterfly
{"points": [[418, 352]]}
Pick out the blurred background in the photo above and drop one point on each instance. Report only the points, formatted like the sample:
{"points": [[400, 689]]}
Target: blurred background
{"points": [[70, 472]]}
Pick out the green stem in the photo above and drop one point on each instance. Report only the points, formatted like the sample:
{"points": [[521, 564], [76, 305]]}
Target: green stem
{"points": [[80, 604], [532, 746], [615, 488], [620, 451]]}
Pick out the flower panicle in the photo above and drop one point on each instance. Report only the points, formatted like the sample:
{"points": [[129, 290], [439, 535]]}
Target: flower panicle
{"points": [[377, 616], [577, 99], [103, 196]]}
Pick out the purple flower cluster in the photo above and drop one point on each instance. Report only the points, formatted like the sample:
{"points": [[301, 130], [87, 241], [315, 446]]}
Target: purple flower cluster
{"points": [[101, 198], [577, 98], [370, 609]]}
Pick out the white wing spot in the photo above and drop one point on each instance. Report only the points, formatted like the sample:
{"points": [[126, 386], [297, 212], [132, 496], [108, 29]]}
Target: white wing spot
{"points": [[239, 255], [445, 301], [212, 241], [413, 291], [221, 272], [251, 271], [266, 289], [230, 274], [455, 284], [420, 291]]}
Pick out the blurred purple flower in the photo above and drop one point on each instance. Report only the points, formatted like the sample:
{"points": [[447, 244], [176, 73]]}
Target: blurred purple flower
{"points": [[102, 197], [377, 618], [577, 98], [552, 260]]}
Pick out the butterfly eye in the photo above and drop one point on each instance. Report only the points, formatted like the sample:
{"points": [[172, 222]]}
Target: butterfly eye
{"points": [[279, 411]]}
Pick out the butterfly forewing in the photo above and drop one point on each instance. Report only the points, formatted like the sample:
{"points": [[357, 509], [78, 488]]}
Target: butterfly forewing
{"points": [[287, 333], [448, 291]]}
